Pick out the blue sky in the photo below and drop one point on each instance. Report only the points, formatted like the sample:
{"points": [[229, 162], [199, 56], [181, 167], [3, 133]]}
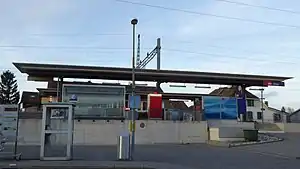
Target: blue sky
{"points": [[215, 44]]}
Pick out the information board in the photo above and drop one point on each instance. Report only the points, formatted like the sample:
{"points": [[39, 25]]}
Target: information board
{"points": [[220, 107], [8, 122]]}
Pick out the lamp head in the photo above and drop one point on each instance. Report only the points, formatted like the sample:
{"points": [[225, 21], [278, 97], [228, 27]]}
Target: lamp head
{"points": [[134, 21]]}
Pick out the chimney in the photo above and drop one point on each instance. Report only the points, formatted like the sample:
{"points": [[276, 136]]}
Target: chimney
{"points": [[267, 103]]}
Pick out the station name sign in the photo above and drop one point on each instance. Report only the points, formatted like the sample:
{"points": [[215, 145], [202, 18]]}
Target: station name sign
{"points": [[273, 83]]}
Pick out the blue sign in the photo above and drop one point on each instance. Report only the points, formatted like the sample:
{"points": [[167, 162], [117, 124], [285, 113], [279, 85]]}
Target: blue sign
{"points": [[134, 102], [73, 98], [220, 107], [274, 83]]}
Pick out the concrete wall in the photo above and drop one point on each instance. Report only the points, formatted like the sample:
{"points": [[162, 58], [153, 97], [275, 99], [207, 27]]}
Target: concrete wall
{"points": [[226, 134], [230, 123], [292, 127], [87, 132], [289, 127]]}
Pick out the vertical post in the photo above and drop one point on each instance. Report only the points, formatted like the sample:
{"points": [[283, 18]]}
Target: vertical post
{"points": [[262, 104], [138, 58], [60, 89], [57, 90], [158, 47], [133, 22]]}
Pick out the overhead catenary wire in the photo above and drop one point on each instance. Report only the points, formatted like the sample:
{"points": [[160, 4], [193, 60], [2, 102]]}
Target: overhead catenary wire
{"points": [[209, 14], [77, 34], [260, 6], [236, 49], [122, 49], [66, 47], [225, 56]]}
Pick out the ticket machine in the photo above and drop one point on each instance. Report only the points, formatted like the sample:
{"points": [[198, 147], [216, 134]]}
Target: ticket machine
{"points": [[57, 131]]}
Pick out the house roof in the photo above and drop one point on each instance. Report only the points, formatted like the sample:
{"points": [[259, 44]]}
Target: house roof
{"points": [[295, 112], [230, 92], [168, 104], [50, 71], [278, 111]]}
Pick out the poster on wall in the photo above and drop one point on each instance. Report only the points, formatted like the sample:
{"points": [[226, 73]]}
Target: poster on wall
{"points": [[220, 107], [57, 113], [8, 121]]}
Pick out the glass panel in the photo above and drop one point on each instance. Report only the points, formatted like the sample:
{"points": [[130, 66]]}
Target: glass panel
{"points": [[100, 101], [57, 119], [55, 145]]}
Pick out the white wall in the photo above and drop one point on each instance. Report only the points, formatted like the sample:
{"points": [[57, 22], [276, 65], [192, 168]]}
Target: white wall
{"points": [[230, 123], [101, 132], [267, 114]]}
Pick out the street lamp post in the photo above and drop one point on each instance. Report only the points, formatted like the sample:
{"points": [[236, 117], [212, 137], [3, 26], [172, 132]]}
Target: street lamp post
{"points": [[133, 22]]}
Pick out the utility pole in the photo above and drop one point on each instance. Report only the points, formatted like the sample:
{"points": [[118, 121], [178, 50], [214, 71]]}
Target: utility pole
{"points": [[133, 22], [262, 102], [158, 47], [138, 55]]}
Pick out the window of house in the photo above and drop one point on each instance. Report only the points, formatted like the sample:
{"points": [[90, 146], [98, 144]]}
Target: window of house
{"points": [[250, 103], [249, 115], [277, 117], [259, 115]]}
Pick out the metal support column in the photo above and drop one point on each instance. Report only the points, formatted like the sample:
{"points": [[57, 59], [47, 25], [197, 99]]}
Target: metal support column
{"points": [[57, 90], [262, 104], [133, 22], [158, 47], [60, 89]]}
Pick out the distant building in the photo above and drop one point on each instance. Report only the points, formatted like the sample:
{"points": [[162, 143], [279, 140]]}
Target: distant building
{"points": [[294, 117], [254, 112], [30, 102]]}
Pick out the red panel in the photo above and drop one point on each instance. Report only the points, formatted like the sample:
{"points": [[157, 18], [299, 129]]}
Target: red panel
{"points": [[267, 83], [155, 107]]}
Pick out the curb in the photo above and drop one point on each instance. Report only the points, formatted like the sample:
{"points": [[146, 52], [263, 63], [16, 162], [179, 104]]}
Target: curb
{"points": [[35, 164], [253, 143], [272, 139]]}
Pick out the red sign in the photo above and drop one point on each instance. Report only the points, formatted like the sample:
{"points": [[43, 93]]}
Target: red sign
{"points": [[273, 83], [155, 106]]}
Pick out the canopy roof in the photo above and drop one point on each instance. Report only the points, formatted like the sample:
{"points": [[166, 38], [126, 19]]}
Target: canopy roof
{"points": [[118, 73]]}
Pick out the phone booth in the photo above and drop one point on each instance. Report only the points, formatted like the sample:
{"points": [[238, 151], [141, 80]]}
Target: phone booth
{"points": [[57, 131]]}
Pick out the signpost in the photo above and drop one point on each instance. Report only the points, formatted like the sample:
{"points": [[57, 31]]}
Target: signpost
{"points": [[9, 130], [134, 103]]}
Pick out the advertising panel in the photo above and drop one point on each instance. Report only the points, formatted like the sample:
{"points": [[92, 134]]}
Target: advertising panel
{"points": [[8, 122], [220, 107], [155, 106]]}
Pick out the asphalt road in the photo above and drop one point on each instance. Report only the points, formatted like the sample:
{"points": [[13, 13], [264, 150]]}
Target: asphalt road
{"points": [[200, 156], [289, 148]]}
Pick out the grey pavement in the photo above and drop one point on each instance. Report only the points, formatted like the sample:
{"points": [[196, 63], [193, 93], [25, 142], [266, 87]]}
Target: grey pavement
{"points": [[289, 148], [198, 156], [89, 165], [194, 156]]}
